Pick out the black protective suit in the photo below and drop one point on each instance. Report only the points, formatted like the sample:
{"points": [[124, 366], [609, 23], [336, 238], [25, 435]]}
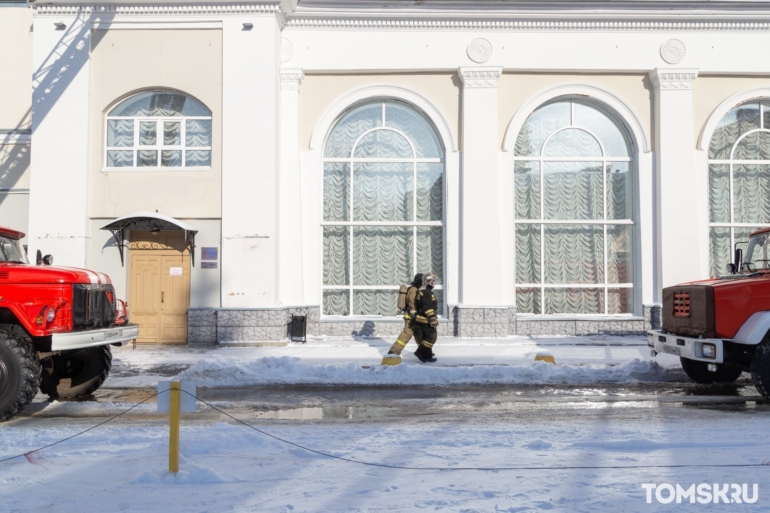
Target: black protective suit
{"points": [[425, 324]]}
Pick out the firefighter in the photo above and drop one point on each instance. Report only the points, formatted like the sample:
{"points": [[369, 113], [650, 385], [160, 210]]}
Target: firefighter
{"points": [[410, 311], [426, 321]]}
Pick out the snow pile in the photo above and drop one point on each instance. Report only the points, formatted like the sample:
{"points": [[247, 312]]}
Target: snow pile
{"points": [[229, 371]]}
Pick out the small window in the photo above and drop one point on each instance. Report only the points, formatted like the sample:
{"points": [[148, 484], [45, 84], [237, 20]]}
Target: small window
{"points": [[159, 130]]}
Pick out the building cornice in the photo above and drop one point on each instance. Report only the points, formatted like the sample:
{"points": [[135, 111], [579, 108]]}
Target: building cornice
{"points": [[158, 9], [524, 24], [570, 16]]}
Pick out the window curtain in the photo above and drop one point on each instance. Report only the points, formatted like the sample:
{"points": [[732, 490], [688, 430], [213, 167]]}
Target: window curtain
{"points": [[120, 133], [750, 196], [573, 255], [416, 128], [382, 255], [340, 142], [430, 191], [573, 190], [383, 191], [371, 256], [160, 104]]}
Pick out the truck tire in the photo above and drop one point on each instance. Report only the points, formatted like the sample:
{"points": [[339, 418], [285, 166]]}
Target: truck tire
{"points": [[19, 371], [760, 368], [76, 373], [699, 373]]}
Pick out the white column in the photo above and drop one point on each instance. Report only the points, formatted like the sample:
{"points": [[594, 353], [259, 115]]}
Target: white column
{"points": [[480, 221], [58, 207], [250, 160], [679, 207], [290, 205]]}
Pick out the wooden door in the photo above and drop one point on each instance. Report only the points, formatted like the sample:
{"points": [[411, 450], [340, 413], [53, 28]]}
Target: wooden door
{"points": [[174, 298], [159, 293], [144, 303]]}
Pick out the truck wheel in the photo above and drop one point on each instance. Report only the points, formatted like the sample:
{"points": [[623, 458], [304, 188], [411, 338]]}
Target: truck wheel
{"points": [[760, 368], [19, 372], [76, 373], [699, 373]]}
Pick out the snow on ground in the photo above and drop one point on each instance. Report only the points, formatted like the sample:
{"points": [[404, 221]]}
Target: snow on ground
{"points": [[144, 366], [229, 371], [227, 467]]}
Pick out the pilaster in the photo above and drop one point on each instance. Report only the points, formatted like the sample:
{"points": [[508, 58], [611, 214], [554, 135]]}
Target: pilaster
{"points": [[290, 205], [481, 262], [58, 213], [250, 159], [680, 211]]}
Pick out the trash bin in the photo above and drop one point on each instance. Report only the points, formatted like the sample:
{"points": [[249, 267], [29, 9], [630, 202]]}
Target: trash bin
{"points": [[298, 328]]}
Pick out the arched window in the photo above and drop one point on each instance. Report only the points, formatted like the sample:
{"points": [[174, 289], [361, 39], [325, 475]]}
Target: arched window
{"points": [[158, 129], [739, 179], [574, 212], [377, 233]]}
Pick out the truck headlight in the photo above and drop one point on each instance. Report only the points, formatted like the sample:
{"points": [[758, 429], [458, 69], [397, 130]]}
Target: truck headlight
{"points": [[51, 314], [709, 350]]}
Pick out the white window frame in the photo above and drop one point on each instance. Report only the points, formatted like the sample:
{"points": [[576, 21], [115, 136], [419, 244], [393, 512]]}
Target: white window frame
{"points": [[764, 104], [158, 146], [414, 224], [604, 222]]}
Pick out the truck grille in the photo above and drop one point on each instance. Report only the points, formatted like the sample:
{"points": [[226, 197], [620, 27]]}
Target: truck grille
{"points": [[93, 306], [682, 304], [688, 310]]}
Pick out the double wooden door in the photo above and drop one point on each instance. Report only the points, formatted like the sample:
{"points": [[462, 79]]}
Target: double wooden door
{"points": [[159, 292]]}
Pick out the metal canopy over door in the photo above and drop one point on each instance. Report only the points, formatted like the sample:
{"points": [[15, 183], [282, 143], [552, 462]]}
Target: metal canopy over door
{"points": [[159, 293]]}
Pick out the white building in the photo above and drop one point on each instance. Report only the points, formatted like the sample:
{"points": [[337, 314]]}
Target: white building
{"points": [[555, 163]]}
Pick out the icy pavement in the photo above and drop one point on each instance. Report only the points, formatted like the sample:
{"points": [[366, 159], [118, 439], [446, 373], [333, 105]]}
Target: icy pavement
{"points": [[584, 435], [229, 467], [357, 361]]}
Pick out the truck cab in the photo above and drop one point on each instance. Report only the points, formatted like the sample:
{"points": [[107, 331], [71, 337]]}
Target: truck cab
{"points": [[56, 327], [720, 327]]}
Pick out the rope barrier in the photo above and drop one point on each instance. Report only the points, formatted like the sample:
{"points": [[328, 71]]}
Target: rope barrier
{"points": [[765, 463], [81, 433], [442, 469]]}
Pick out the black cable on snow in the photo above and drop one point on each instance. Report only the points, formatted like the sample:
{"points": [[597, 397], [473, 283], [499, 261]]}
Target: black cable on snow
{"points": [[80, 433], [765, 463]]}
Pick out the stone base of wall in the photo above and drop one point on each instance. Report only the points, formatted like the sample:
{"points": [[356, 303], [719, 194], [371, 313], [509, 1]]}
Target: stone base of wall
{"points": [[652, 317], [483, 322], [537, 327], [211, 326], [387, 329]]}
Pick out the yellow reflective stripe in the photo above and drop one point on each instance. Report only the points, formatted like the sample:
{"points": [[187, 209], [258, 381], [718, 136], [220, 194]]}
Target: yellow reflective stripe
{"points": [[402, 343], [427, 344], [429, 313], [407, 316]]}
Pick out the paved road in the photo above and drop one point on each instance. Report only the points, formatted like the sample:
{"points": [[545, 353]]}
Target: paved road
{"points": [[425, 404]]}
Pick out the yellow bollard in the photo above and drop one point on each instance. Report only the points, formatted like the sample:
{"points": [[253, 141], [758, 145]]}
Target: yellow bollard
{"points": [[173, 440], [545, 357]]}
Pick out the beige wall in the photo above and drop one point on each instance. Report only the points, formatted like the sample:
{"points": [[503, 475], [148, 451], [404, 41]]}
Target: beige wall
{"points": [[126, 61], [515, 89], [709, 91], [16, 74], [319, 92], [14, 165]]}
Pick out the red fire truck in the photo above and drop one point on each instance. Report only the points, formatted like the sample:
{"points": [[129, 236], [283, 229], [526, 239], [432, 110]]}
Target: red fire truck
{"points": [[720, 328], [56, 328]]}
